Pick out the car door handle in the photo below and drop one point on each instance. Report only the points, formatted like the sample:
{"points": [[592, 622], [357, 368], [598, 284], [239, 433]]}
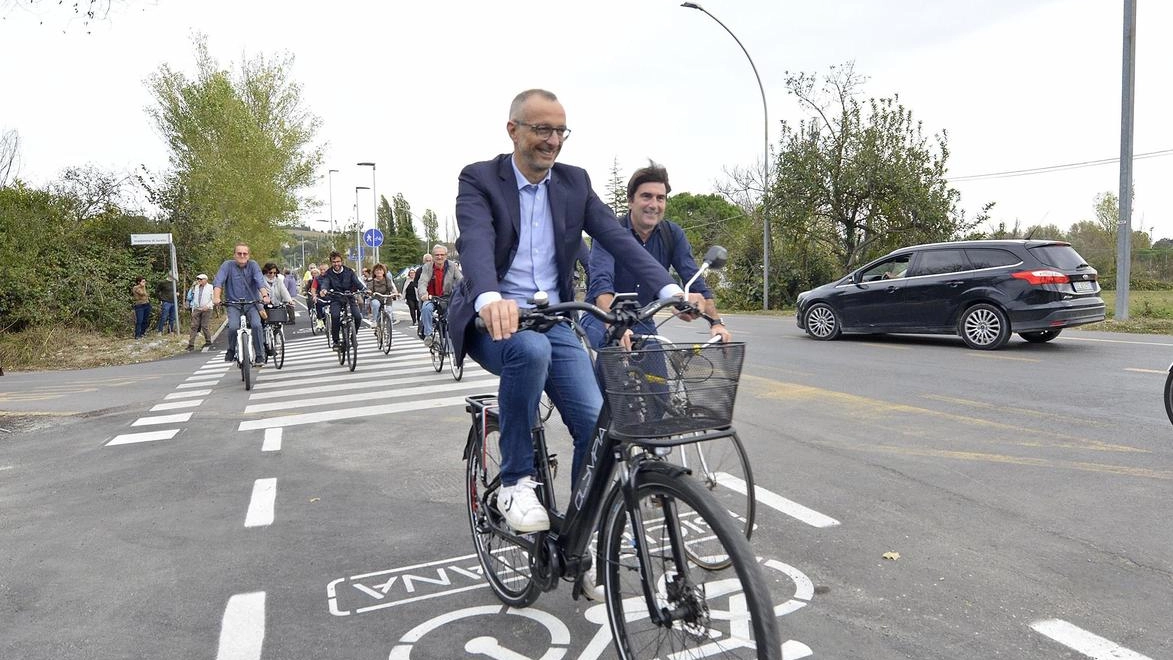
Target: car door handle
{"points": [[955, 283], [893, 289]]}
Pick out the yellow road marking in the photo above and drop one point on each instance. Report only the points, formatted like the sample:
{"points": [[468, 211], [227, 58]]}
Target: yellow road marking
{"points": [[872, 410], [1019, 460]]}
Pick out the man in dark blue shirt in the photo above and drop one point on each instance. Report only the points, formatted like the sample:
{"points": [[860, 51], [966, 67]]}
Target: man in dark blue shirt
{"points": [[240, 278], [340, 278], [647, 197]]}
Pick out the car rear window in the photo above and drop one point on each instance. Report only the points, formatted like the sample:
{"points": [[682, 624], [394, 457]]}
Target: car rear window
{"points": [[933, 262], [991, 257], [1063, 257]]}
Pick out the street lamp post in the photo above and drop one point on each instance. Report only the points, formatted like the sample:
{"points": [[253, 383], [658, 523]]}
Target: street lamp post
{"points": [[765, 161], [374, 202], [358, 228], [331, 177]]}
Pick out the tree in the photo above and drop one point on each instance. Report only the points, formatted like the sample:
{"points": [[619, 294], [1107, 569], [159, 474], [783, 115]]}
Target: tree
{"points": [[431, 227], [241, 151], [9, 157], [386, 220], [616, 189], [858, 177]]}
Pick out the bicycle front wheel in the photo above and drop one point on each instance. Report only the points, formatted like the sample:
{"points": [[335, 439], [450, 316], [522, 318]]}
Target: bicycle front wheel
{"points": [[437, 348], [279, 347], [721, 467], [457, 369], [726, 613], [506, 565], [246, 361], [352, 347], [385, 322]]}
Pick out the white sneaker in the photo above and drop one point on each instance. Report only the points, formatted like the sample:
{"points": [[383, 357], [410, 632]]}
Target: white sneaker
{"points": [[591, 589], [521, 508], [428, 340]]}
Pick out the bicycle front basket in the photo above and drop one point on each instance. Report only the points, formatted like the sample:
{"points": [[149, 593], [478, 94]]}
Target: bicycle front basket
{"points": [[657, 392]]}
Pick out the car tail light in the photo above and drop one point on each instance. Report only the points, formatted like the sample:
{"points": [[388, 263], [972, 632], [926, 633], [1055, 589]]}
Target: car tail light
{"points": [[1041, 276]]}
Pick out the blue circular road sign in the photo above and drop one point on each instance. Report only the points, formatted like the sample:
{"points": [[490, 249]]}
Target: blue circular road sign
{"points": [[373, 237]]}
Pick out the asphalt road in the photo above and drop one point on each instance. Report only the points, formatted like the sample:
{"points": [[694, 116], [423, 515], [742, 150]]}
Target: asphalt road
{"points": [[322, 514]]}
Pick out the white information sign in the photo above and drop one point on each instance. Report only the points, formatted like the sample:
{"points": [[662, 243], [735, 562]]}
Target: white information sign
{"points": [[150, 239]]}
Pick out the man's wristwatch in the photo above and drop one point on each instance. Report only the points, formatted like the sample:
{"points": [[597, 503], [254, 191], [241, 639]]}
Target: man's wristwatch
{"points": [[716, 322]]}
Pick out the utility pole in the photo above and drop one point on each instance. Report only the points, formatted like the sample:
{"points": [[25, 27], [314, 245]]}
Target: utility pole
{"points": [[1124, 221]]}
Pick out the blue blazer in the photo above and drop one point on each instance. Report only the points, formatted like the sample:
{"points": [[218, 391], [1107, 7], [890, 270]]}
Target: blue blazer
{"points": [[488, 215]]}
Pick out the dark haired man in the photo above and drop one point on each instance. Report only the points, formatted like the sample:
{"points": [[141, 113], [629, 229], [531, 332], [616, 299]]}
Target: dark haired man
{"points": [[647, 197], [340, 278]]}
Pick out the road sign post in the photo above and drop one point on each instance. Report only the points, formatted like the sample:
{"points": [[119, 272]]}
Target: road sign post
{"points": [[164, 239], [373, 238]]}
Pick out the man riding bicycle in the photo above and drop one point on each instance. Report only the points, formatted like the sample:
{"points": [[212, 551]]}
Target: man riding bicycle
{"points": [[436, 281], [647, 197], [521, 218], [240, 278], [340, 278]]}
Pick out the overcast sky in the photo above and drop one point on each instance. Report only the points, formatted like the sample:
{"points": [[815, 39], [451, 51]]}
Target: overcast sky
{"points": [[423, 88]]}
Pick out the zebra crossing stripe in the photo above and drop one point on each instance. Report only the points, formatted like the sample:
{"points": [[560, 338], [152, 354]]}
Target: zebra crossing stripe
{"points": [[489, 383], [349, 413]]}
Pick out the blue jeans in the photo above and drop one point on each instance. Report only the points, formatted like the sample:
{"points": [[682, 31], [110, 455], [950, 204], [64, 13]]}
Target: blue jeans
{"points": [[596, 331], [426, 318], [166, 316], [254, 322], [527, 363], [142, 319]]}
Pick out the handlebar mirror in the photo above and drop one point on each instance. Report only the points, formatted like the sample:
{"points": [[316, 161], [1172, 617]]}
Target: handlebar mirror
{"points": [[716, 256]]}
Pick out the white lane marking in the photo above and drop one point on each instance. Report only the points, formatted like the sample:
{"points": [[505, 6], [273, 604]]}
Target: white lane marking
{"points": [[147, 436], [1089, 644], [176, 405], [212, 368], [272, 440], [242, 630], [348, 413], [362, 378], [186, 395], [1068, 337], [188, 386], [205, 376], [5, 467], [1147, 371], [364, 359], [162, 419], [488, 382], [262, 503], [778, 503]]}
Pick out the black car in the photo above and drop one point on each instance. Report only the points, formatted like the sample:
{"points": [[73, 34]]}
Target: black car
{"points": [[980, 290]]}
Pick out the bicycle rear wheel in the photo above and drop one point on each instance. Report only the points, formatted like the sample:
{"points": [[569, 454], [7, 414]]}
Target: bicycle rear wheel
{"points": [[352, 347], [279, 347], [726, 612], [506, 565], [721, 467]]}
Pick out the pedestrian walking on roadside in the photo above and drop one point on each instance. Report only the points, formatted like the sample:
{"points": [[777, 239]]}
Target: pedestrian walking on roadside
{"points": [[142, 307], [201, 311]]}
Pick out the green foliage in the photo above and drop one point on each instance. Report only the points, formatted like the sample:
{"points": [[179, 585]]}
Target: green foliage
{"points": [[59, 270], [431, 227], [860, 179], [241, 149]]}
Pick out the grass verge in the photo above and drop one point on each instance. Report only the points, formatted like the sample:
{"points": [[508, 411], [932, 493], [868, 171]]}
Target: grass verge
{"points": [[60, 348]]}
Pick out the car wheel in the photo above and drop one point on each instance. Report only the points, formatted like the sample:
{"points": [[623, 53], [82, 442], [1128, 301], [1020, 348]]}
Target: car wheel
{"points": [[1040, 336], [822, 322], [984, 327]]}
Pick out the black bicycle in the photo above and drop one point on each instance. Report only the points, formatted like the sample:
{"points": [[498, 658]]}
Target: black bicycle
{"points": [[384, 322], [441, 347], [347, 345], [652, 516], [274, 328]]}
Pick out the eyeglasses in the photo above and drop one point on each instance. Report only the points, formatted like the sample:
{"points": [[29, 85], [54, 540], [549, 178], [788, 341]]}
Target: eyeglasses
{"points": [[544, 132]]}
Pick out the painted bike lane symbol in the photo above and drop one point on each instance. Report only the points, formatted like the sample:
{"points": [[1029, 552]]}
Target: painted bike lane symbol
{"points": [[559, 634]]}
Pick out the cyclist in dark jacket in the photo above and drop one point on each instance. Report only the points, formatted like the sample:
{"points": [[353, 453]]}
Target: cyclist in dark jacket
{"points": [[340, 278]]}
